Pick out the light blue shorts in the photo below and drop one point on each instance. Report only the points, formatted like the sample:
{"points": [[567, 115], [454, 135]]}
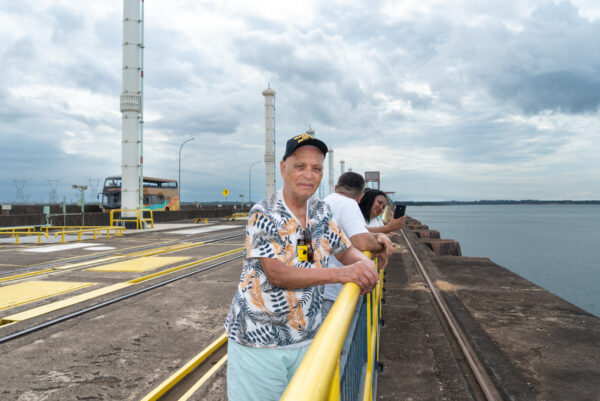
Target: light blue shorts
{"points": [[260, 374]]}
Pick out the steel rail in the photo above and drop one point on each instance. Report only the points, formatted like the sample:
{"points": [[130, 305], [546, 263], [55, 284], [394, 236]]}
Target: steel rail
{"points": [[109, 302], [483, 380], [116, 252]]}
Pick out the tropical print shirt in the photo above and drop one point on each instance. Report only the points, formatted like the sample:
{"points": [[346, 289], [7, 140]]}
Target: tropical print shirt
{"points": [[264, 315]]}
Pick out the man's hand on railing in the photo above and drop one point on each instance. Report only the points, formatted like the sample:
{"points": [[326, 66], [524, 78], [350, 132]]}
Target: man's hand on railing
{"points": [[362, 273], [388, 249]]}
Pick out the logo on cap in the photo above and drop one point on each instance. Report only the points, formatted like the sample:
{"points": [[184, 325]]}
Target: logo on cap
{"points": [[303, 137]]}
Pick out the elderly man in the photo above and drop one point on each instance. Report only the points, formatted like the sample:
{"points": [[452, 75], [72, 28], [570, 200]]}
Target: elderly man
{"points": [[276, 311], [346, 213]]}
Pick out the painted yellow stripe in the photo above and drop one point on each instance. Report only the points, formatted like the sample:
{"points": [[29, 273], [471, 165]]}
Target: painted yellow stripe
{"points": [[28, 314], [140, 279], [22, 293], [185, 369], [89, 262], [166, 248], [139, 264], [173, 249], [25, 275], [204, 379]]}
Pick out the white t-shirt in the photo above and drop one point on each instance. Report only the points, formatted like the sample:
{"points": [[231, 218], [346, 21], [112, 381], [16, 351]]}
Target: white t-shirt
{"points": [[348, 216], [376, 222]]}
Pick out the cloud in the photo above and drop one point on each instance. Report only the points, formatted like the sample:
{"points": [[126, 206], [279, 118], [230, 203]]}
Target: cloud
{"points": [[448, 99]]}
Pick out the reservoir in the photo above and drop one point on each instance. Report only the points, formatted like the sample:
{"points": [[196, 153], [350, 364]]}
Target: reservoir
{"points": [[555, 246]]}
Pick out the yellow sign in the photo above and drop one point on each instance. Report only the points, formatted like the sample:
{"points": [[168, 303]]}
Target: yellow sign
{"points": [[225, 192]]}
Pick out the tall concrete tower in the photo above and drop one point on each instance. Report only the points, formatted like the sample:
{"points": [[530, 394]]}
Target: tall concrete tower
{"points": [[269, 95], [331, 173], [342, 167], [131, 107]]}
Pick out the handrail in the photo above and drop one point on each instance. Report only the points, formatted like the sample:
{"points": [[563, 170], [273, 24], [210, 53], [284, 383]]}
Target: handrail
{"points": [[318, 376], [313, 378], [16, 234], [139, 218], [118, 232]]}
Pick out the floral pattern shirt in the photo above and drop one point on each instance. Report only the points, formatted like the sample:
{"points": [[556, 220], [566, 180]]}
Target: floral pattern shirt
{"points": [[264, 315]]}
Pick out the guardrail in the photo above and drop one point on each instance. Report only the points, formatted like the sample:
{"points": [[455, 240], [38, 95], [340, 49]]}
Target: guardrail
{"points": [[344, 356], [139, 218], [96, 231], [236, 216], [16, 233]]}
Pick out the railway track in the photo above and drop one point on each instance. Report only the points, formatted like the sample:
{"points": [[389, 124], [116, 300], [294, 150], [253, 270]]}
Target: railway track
{"points": [[482, 385], [135, 251], [130, 294]]}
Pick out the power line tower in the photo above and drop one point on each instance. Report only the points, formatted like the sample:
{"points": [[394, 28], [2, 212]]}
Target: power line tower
{"points": [[52, 195], [20, 196]]}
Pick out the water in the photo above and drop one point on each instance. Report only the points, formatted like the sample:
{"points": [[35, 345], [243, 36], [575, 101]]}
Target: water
{"points": [[555, 246]]}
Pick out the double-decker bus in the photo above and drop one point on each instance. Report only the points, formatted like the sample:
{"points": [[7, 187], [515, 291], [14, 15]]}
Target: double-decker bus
{"points": [[159, 194]]}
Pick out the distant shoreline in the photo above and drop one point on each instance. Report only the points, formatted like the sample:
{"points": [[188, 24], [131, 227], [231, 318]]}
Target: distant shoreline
{"points": [[499, 202]]}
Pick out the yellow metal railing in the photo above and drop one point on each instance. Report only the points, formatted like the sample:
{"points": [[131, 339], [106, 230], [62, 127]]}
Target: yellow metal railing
{"points": [[96, 231], [236, 216], [318, 376], [22, 233], [139, 218]]}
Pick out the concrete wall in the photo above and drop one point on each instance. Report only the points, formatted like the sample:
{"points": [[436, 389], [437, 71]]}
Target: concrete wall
{"points": [[94, 217]]}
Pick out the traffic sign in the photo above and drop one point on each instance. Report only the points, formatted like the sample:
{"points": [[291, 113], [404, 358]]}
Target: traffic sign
{"points": [[225, 192]]}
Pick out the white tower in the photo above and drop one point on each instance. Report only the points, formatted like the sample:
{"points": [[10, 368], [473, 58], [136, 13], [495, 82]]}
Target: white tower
{"points": [[130, 107], [331, 173], [342, 167], [269, 95]]}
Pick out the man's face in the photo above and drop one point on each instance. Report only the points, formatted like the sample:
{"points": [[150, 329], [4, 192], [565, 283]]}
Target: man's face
{"points": [[302, 171]]}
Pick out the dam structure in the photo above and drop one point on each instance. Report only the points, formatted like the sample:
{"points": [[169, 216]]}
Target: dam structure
{"points": [[132, 315]]}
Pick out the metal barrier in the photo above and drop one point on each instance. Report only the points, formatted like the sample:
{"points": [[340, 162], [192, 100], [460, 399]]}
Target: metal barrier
{"points": [[344, 356], [139, 219], [236, 216], [16, 233], [96, 231]]}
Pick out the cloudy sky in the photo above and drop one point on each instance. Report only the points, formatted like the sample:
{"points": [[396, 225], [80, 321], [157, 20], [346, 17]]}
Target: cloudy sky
{"points": [[460, 100]]}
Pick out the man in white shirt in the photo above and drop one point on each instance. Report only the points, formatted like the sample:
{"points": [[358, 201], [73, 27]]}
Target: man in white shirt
{"points": [[346, 213]]}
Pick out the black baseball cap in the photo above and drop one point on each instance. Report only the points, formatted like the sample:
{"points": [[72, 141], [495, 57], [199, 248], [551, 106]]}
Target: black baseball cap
{"points": [[303, 140]]}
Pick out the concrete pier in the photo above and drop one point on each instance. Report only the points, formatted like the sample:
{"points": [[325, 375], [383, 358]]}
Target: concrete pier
{"points": [[533, 344]]}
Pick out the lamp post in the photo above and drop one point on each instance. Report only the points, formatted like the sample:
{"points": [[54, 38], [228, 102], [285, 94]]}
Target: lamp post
{"points": [[250, 181], [179, 179]]}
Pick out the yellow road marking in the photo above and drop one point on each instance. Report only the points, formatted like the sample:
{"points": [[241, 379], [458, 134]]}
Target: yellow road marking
{"points": [[86, 263], [140, 279], [28, 314], [25, 275], [21, 293], [139, 264], [203, 379], [185, 369]]}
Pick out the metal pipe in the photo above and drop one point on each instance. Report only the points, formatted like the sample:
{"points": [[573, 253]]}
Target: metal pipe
{"points": [[130, 108], [269, 95], [484, 381], [331, 172], [179, 179], [141, 172]]}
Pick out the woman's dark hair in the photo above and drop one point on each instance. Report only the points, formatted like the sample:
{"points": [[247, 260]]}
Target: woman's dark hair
{"points": [[366, 202]]}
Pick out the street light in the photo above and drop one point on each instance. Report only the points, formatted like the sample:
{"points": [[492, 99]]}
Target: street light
{"points": [[179, 180], [250, 181]]}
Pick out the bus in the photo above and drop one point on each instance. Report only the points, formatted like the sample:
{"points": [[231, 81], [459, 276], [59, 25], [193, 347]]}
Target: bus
{"points": [[159, 194]]}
